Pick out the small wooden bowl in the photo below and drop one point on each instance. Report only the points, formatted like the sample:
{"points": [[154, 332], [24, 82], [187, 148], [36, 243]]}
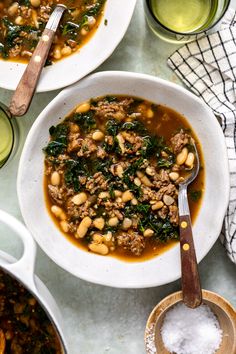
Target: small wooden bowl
{"points": [[223, 310]]}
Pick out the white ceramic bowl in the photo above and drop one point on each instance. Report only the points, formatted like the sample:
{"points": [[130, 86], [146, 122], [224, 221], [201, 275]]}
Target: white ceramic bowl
{"points": [[108, 270], [69, 70], [23, 271]]}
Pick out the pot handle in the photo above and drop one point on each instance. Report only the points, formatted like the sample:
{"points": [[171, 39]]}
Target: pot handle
{"points": [[24, 267]]}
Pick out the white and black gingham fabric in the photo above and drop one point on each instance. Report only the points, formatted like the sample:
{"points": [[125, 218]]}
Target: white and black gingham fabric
{"points": [[208, 67]]}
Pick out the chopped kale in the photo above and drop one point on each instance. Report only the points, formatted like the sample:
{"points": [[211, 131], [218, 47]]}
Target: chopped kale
{"points": [[95, 9], [135, 126], [59, 133], [149, 146], [129, 175], [24, 2], [103, 166], [54, 148], [112, 127], [70, 29], [163, 229], [58, 143], [13, 32], [74, 169], [165, 162], [85, 121]]}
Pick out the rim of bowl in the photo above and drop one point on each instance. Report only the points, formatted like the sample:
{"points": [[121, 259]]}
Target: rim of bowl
{"points": [[59, 260]]}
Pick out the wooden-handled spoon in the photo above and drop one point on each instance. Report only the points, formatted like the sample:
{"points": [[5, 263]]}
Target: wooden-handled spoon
{"points": [[191, 287], [23, 95]]}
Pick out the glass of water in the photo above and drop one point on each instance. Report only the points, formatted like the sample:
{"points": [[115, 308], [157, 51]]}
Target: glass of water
{"points": [[181, 21]]}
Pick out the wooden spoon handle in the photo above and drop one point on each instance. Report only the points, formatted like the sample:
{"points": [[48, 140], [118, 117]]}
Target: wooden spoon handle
{"points": [[191, 287], [23, 95]]}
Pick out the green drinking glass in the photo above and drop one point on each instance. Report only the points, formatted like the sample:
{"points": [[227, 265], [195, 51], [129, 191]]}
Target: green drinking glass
{"points": [[181, 21]]}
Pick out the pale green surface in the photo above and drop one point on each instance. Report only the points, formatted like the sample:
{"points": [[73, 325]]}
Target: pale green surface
{"points": [[101, 320]]}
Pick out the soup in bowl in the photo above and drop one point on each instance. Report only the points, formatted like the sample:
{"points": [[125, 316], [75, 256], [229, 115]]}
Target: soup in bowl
{"points": [[104, 153], [112, 173]]}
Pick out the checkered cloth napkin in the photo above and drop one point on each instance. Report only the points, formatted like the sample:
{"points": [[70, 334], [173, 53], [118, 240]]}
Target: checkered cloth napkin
{"points": [[208, 67]]}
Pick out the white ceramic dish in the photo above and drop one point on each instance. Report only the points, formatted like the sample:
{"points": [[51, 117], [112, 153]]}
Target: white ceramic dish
{"points": [[88, 58], [108, 270], [23, 271]]}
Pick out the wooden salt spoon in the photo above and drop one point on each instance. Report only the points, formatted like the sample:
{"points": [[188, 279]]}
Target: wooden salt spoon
{"points": [[191, 287], [23, 95]]}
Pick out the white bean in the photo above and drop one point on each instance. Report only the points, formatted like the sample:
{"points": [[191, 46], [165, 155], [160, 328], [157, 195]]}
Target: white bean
{"points": [[127, 223], [64, 226], [119, 171], [174, 176], [137, 181], [83, 227], [117, 193], [108, 237], [98, 135], [97, 238], [19, 20], [35, 3], [113, 221], [190, 159], [127, 196], [91, 20], [57, 52], [66, 50], [157, 205], [149, 113], [168, 200], [148, 233], [103, 195], [99, 223], [83, 107], [134, 201], [58, 212], [146, 181], [99, 248], [12, 10], [55, 178], [182, 156], [150, 171], [84, 32], [79, 198]]}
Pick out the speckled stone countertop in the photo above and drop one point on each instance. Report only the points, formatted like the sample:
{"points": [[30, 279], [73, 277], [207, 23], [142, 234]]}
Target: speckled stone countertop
{"points": [[98, 319]]}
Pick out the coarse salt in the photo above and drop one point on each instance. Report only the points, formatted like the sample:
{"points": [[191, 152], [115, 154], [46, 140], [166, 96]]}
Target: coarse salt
{"points": [[150, 340], [191, 331]]}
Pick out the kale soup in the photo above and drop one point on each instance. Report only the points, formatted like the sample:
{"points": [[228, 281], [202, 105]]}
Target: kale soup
{"points": [[112, 171], [22, 23]]}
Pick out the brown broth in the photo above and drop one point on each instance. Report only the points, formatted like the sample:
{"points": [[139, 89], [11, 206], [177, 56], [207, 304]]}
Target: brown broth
{"points": [[166, 122]]}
